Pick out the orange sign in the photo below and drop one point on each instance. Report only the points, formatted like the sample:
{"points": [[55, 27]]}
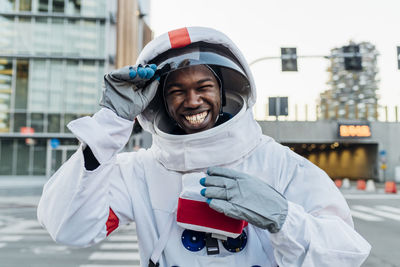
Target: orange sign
{"points": [[27, 130], [354, 130]]}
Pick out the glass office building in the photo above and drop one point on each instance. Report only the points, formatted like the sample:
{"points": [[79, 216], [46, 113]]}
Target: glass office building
{"points": [[53, 55]]}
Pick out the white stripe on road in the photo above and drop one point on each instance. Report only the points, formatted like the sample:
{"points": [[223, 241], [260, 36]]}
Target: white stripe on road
{"points": [[97, 265], [2, 245], [377, 212], [24, 232], [115, 256], [119, 238], [112, 246], [388, 208], [21, 226], [371, 196], [11, 238], [366, 217]]}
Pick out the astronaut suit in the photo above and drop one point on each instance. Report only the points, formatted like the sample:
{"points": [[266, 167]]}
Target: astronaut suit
{"points": [[254, 202]]}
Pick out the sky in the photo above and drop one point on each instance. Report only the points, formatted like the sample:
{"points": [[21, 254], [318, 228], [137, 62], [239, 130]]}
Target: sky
{"points": [[261, 27]]}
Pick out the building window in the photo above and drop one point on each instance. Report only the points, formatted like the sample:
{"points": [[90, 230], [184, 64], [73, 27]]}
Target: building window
{"points": [[25, 5], [53, 123], [6, 156], [39, 157], [58, 40], [22, 157], [38, 86], [43, 5], [19, 121], [7, 28], [23, 35], [6, 71], [58, 6], [41, 33], [21, 84], [37, 122], [74, 7], [56, 86]]}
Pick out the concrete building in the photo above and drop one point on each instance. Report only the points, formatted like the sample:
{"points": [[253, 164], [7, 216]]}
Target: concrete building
{"points": [[354, 152], [53, 55], [351, 93]]}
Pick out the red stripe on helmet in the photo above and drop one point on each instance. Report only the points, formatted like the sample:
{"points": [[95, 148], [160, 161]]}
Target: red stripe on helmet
{"points": [[112, 222], [179, 38]]}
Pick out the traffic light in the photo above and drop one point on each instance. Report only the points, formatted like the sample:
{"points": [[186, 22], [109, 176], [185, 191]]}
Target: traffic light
{"points": [[278, 106], [289, 58], [352, 57], [398, 57]]}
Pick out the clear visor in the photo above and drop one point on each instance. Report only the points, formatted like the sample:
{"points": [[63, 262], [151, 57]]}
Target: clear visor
{"points": [[192, 55], [218, 58]]}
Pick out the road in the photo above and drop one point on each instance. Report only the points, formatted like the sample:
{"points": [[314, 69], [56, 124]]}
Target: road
{"points": [[377, 219], [23, 243]]}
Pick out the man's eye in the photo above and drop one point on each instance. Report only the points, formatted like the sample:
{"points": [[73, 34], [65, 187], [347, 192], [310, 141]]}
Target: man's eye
{"points": [[206, 87], [174, 92]]}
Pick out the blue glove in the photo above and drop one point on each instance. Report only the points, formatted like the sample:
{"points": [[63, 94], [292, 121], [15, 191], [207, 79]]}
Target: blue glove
{"points": [[129, 90], [244, 197]]}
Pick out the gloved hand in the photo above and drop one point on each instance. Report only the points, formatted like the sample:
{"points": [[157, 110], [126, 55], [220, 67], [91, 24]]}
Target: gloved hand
{"points": [[244, 197], [125, 92]]}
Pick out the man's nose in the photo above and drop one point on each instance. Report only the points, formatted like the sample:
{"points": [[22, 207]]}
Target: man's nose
{"points": [[193, 99]]}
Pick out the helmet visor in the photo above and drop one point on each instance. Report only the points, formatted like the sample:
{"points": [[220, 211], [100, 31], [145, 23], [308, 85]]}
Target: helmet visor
{"points": [[195, 54]]}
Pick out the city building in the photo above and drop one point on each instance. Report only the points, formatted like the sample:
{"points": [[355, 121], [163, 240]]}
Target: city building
{"points": [[53, 56], [352, 91]]}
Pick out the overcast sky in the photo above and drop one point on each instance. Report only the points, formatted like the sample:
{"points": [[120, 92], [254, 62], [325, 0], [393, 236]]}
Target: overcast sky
{"points": [[261, 27]]}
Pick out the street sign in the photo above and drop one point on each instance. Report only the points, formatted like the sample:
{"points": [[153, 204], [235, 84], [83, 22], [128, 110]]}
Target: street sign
{"points": [[27, 130], [278, 106], [354, 130], [54, 142], [289, 58]]}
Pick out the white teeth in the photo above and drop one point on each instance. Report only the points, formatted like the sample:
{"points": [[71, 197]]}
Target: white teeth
{"points": [[197, 118]]}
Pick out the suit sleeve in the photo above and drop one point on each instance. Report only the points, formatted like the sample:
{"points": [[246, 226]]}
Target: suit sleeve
{"points": [[80, 207], [318, 230]]}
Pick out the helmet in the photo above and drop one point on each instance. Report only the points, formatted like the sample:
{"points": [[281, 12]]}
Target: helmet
{"points": [[180, 49]]}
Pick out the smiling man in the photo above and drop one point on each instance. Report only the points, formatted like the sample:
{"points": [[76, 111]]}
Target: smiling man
{"points": [[246, 200], [193, 98]]}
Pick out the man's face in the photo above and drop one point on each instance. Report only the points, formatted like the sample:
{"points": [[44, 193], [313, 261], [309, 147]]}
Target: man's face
{"points": [[193, 98]]}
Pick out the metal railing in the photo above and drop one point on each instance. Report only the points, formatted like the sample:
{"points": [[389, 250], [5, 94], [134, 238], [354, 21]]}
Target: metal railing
{"points": [[310, 112]]}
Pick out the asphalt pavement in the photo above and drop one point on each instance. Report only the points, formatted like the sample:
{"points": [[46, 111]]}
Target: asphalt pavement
{"points": [[23, 242]]}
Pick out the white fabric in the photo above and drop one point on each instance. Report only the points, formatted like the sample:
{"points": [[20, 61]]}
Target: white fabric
{"points": [[144, 187], [163, 240], [191, 186]]}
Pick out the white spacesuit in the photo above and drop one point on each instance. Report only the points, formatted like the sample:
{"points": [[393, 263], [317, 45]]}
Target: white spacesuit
{"points": [[80, 207]]}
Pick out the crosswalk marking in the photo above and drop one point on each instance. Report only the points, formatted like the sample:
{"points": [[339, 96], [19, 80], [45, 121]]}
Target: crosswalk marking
{"points": [[119, 238], [99, 265], [388, 208], [377, 212], [115, 256], [23, 227], [366, 217], [122, 246], [11, 238], [371, 196]]}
